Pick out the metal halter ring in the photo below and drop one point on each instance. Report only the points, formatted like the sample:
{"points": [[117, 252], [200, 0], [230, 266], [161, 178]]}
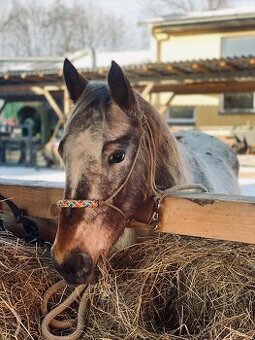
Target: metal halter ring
{"points": [[154, 219]]}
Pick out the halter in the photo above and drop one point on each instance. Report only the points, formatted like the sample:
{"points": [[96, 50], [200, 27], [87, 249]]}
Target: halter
{"points": [[93, 203], [158, 195]]}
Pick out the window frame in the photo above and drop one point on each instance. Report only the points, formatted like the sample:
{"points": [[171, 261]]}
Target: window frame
{"points": [[182, 121], [233, 36], [236, 110], [244, 111]]}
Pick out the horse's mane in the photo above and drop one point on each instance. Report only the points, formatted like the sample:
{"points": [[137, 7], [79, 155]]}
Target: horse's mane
{"points": [[169, 165]]}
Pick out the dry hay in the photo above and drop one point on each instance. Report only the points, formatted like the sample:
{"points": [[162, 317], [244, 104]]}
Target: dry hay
{"points": [[178, 288], [167, 288], [23, 279]]}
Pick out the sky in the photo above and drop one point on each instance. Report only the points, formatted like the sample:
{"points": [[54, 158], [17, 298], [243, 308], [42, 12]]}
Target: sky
{"points": [[129, 8], [133, 8]]}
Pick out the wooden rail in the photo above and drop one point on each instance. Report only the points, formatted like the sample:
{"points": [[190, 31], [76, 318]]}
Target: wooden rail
{"points": [[204, 215], [209, 215], [36, 197]]}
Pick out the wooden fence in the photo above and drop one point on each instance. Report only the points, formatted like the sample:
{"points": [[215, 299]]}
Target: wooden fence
{"points": [[220, 217]]}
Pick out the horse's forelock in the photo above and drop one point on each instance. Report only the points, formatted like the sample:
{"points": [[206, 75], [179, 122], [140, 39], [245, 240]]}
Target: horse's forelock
{"points": [[91, 106]]}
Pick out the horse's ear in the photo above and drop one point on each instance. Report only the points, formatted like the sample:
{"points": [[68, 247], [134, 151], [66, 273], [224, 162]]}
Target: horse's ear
{"points": [[75, 82], [120, 88]]}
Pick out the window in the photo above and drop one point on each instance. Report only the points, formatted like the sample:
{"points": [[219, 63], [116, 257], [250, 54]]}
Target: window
{"points": [[242, 101], [181, 116], [236, 47]]}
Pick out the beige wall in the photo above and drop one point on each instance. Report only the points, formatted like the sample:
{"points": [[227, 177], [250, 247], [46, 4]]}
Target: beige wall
{"points": [[194, 46], [207, 109], [190, 47], [210, 116]]}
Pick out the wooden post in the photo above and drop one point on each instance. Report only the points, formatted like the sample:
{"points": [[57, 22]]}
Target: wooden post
{"points": [[162, 109], [66, 102], [147, 90], [54, 105]]}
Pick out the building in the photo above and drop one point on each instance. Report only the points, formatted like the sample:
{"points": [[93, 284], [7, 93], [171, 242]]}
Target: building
{"points": [[206, 37], [34, 102]]}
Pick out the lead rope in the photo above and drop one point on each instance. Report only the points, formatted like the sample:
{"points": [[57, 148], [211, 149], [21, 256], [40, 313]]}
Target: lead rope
{"points": [[49, 318]]}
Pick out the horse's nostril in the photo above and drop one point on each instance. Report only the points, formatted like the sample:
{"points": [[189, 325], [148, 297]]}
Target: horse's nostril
{"points": [[77, 268], [84, 265]]}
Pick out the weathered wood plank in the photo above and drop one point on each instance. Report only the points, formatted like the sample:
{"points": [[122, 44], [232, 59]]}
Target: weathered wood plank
{"points": [[35, 198], [213, 216], [205, 215]]}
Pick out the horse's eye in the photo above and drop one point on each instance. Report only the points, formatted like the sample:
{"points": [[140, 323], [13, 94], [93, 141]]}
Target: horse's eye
{"points": [[117, 157]]}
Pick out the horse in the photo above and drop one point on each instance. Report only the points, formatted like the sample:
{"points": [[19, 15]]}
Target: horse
{"points": [[107, 147]]}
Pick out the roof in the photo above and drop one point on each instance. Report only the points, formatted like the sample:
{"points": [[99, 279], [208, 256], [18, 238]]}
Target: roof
{"points": [[234, 16], [178, 76], [81, 59], [143, 71]]}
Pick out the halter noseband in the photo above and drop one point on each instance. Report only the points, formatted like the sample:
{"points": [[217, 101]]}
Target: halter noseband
{"points": [[65, 203], [93, 203]]}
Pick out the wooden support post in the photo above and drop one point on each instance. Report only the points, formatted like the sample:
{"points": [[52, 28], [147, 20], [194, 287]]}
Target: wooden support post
{"points": [[66, 102], [45, 91], [54, 105], [162, 109], [147, 90]]}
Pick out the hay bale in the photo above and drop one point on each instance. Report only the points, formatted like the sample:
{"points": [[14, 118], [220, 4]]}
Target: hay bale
{"points": [[24, 277], [166, 288], [177, 288]]}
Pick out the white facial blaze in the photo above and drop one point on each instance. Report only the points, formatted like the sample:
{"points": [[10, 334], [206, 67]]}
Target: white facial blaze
{"points": [[86, 155], [80, 150]]}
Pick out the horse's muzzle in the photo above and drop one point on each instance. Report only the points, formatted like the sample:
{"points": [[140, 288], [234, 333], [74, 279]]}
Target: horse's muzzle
{"points": [[76, 269]]}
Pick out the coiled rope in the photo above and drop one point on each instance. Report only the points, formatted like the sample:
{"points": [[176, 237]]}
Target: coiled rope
{"points": [[49, 317]]}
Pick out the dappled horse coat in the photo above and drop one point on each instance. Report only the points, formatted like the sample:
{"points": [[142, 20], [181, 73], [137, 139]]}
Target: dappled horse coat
{"points": [[117, 153]]}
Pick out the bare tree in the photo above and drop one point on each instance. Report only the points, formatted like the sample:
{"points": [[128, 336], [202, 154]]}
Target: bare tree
{"points": [[164, 7], [216, 4], [36, 29]]}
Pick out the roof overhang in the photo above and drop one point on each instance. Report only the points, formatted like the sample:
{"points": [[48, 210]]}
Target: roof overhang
{"points": [[195, 76], [203, 22]]}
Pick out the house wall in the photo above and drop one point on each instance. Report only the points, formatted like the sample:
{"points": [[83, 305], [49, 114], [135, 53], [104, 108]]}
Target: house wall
{"points": [[207, 110], [178, 48], [210, 116], [193, 47]]}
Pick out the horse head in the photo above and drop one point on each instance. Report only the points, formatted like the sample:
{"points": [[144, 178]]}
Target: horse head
{"points": [[106, 152]]}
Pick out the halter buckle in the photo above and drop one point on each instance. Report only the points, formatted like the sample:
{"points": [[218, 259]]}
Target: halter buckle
{"points": [[153, 223]]}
